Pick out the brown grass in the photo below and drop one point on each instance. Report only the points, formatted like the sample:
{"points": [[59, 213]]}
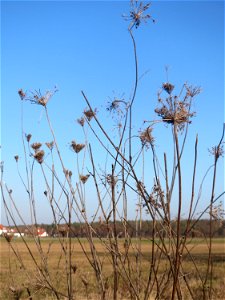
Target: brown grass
{"points": [[16, 277]]}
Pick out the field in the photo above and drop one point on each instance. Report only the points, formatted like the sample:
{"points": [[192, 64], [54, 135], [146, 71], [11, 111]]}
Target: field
{"points": [[13, 277]]}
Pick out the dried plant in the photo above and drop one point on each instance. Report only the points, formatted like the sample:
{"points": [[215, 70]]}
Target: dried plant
{"points": [[168, 87], [50, 145], [113, 106], [84, 178], [140, 188], [218, 212], [21, 94], [217, 151], [36, 146], [119, 268], [192, 91], [117, 106], [146, 137], [76, 147], [36, 97], [111, 180], [138, 13], [174, 110], [39, 156], [28, 137], [81, 121], [89, 114], [68, 173]]}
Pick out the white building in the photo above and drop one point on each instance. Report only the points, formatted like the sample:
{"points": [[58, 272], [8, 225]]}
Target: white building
{"points": [[3, 229]]}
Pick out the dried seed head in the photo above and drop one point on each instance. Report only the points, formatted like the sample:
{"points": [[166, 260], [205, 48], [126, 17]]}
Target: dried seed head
{"points": [[28, 137], [21, 94], [168, 87], [39, 156], [117, 106], [89, 114], [192, 91], [50, 145], [217, 151], [16, 158], [81, 121], [37, 98], [175, 112], [36, 146], [76, 147], [84, 178], [68, 173], [156, 197], [140, 187], [113, 106], [146, 137], [137, 14], [42, 101], [111, 180], [218, 212]]}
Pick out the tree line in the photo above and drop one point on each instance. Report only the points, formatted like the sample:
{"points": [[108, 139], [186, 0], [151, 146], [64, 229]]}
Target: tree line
{"points": [[145, 228]]}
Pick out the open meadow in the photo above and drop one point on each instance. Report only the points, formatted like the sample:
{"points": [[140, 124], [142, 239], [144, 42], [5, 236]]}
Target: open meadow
{"points": [[84, 281]]}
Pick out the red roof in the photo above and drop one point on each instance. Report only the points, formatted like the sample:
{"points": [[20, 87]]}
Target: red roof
{"points": [[40, 231]]}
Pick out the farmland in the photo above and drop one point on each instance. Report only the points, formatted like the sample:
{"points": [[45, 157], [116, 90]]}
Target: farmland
{"points": [[26, 279]]}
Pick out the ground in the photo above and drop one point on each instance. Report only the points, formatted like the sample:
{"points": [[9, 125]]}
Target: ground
{"points": [[13, 276]]}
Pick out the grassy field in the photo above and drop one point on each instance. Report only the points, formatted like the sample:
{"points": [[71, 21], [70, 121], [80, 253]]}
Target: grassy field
{"points": [[13, 276]]}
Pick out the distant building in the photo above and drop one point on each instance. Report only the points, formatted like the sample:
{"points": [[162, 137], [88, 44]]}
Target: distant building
{"points": [[22, 232], [16, 233], [41, 232], [3, 229]]}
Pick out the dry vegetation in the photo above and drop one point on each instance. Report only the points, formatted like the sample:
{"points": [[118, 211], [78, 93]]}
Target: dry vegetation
{"points": [[84, 283], [167, 266]]}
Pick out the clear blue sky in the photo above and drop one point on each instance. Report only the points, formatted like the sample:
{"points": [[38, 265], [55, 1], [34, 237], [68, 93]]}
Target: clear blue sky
{"points": [[85, 45]]}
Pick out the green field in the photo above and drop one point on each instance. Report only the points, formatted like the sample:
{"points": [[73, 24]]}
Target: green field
{"points": [[13, 276]]}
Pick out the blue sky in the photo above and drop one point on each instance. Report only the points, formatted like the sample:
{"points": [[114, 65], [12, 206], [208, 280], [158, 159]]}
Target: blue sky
{"points": [[85, 45]]}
